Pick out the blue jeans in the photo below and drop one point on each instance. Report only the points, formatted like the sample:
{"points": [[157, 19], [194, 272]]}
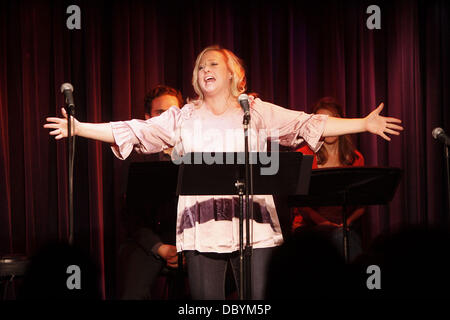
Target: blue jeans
{"points": [[336, 236], [207, 271]]}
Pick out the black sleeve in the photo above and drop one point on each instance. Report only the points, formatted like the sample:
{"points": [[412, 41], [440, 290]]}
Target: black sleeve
{"points": [[146, 239]]}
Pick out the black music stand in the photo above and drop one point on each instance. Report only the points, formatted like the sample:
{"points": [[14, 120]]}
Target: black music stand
{"points": [[226, 178], [350, 186], [151, 188]]}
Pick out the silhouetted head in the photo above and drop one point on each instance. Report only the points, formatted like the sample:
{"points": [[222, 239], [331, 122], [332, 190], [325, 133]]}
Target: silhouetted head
{"points": [[414, 262], [307, 265], [61, 271]]}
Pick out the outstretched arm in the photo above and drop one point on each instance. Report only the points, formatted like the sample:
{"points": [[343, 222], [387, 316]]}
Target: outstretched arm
{"points": [[373, 123], [96, 131]]}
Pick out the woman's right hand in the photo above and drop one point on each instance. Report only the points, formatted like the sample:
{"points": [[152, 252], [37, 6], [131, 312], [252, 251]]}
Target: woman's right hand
{"points": [[60, 125]]}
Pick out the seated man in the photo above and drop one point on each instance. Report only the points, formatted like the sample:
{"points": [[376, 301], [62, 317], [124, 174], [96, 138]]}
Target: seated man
{"points": [[151, 225]]}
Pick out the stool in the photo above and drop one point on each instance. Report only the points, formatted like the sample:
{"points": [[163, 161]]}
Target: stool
{"points": [[11, 267]]}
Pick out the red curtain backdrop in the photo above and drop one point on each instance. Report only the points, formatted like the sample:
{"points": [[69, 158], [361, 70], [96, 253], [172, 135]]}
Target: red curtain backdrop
{"points": [[294, 52]]}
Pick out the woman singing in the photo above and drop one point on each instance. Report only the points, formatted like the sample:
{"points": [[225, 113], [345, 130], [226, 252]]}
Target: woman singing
{"points": [[207, 226]]}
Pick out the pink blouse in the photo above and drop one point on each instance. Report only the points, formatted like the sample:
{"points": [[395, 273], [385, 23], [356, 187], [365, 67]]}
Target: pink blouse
{"points": [[210, 223]]}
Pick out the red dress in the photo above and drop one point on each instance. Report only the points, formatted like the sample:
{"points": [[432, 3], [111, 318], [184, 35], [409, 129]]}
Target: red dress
{"points": [[359, 162], [333, 214]]}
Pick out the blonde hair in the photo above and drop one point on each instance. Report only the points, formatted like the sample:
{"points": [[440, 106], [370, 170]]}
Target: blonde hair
{"points": [[234, 64]]}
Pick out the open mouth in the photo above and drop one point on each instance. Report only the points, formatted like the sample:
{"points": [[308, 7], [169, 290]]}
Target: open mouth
{"points": [[209, 79]]}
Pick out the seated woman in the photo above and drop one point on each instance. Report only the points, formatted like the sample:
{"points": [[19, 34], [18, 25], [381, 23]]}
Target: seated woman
{"points": [[335, 152]]}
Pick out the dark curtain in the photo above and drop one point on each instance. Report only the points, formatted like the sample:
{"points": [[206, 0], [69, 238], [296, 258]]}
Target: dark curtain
{"points": [[295, 53]]}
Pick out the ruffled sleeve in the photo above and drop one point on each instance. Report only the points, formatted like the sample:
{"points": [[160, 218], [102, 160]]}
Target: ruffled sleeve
{"points": [[146, 136], [288, 126]]}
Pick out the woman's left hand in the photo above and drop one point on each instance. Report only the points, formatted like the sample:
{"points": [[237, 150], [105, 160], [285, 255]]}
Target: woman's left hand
{"points": [[382, 125]]}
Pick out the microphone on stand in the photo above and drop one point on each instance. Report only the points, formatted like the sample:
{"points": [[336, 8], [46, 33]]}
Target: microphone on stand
{"points": [[439, 134], [245, 255], [243, 101], [67, 90]]}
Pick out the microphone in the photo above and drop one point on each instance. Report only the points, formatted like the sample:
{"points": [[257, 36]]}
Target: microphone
{"points": [[439, 134], [67, 89], [243, 101]]}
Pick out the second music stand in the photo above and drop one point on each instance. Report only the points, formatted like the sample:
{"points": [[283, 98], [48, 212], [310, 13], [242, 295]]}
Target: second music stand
{"points": [[350, 186]]}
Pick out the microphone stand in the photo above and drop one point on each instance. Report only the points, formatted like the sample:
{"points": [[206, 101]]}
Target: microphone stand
{"points": [[70, 159], [245, 287], [446, 152]]}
